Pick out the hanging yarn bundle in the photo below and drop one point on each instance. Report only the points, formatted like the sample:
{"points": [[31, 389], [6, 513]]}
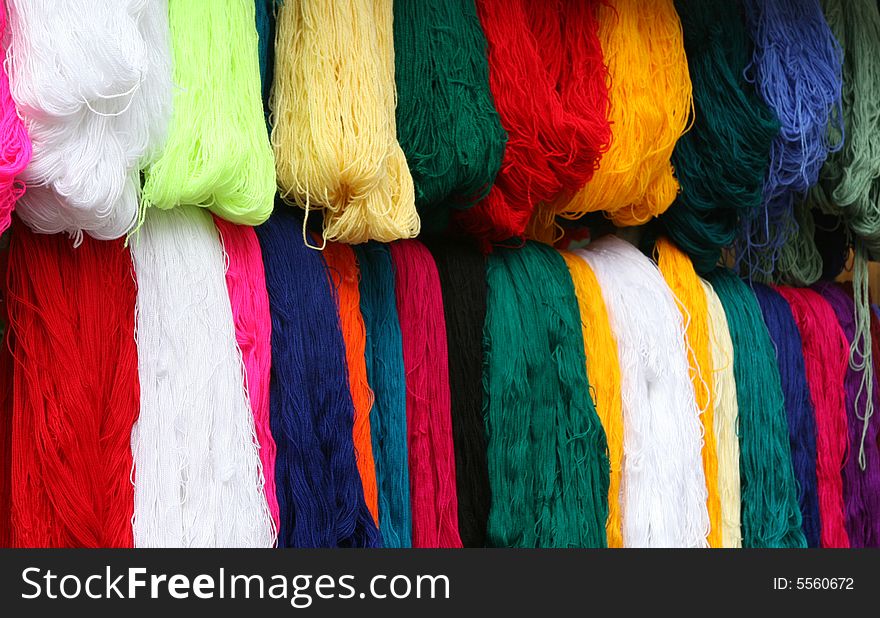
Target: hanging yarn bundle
{"points": [[15, 145], [75, 392], [679, 274], [825, 352], [198, 480], [662, 432], [217, 153], [783, 330], [320, 493], [548, 466], [387, 378], [6, 364], [548, 80], [603, 374], [334, 134], [446, 119], [650, 105], [343, 271], [92, 80], [796, 69], [462, 271], [721, 162], [770, 513], [861, 485], [265, 14], [428, 407], [249, 301], [726, 420]]}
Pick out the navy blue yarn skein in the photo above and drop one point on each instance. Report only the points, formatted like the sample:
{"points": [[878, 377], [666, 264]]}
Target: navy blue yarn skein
{"points": [[387, 378], [319, 489], [798, 405]]}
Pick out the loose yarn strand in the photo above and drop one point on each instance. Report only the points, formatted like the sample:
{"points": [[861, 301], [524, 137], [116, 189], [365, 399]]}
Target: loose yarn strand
{"points": [[334, 135], [726, 421], [387, 378], [198, 479], [547, 453], [770, 513], [679, 274], [603, 374], [662, 431]]}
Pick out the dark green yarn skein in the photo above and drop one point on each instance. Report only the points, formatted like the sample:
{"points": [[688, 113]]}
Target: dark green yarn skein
{"points": [[721, 162], [446, 120], [547, 451]]}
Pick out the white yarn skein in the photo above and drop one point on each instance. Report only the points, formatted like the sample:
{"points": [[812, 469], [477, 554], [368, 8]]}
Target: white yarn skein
{"points": [[92, 80], [663, 489], [197, 474]]}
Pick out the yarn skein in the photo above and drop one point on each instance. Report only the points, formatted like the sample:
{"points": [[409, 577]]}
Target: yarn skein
{"points": [[783, 330], [547, 454], [679, 274], [217, 153], [198, 479], [650, 104], [796, 68], [333, 101], [92, 80], [265, 18], [861, 488], [15, 145], [726, 421], [75, 391], [721, 162], [603, 374], [343, 271], [249, 302], [446, 120], [462, 272], [825, 352], [662, 432], [387, 378], [6, 364], [770, 513], [547, 77], [428, 408], [320, 492]]}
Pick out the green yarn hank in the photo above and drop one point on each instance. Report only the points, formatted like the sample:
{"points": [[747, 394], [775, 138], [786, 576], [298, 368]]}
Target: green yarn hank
{"points": [[770, 513], [547, 451]]}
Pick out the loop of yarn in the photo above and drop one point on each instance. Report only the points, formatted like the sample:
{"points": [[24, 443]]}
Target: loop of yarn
{"points": [[387, 378], [721, 162], [249, 300], [603, 374], [198, 479], [548, 79], [74, 393], [726, 421], [333, 101], [428, 407], [650, 107], [861, 486], [320, 493], [547, 454], [796, 67], [462, 271], [343, 271], [679, 274], [92, 80], [770, 513], [15, 145], [217, 153], [662, 432], [446, 119], [780, 323], [825, 351]]}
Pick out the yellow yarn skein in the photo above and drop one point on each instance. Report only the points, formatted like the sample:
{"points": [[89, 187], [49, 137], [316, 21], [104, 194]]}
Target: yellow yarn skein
{"points": [[334, 129], [603, 371]]}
